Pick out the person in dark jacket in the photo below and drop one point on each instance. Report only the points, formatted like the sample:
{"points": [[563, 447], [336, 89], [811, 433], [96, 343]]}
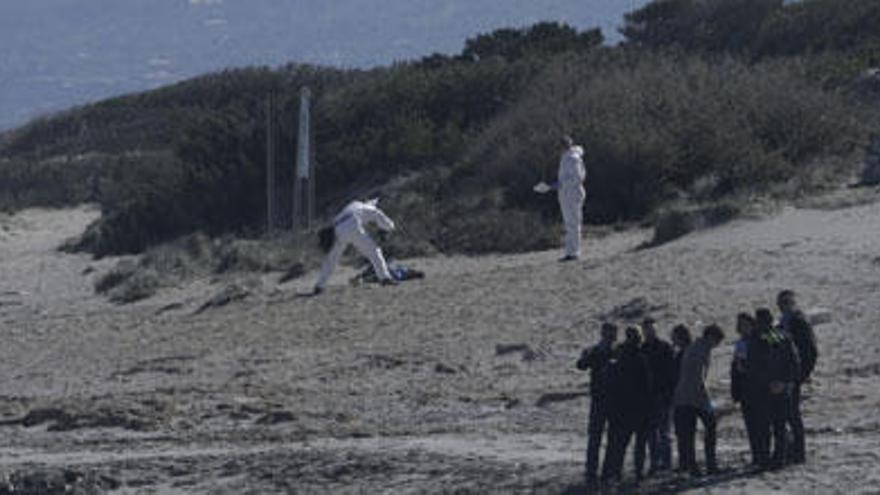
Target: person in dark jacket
{"points": [[745, 327], [629, 392], [773, 369], [596, 359], [797, 327], [661, 360], [692, 401], [681, 339]]}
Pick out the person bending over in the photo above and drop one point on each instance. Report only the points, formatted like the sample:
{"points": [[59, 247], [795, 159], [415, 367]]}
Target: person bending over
{"points": [[349, 227]]}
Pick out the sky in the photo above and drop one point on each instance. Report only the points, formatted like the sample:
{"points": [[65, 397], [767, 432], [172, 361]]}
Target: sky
{"points": [[55, 54]]}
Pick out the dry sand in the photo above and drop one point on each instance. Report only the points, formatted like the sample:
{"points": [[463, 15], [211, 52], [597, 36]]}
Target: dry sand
{"points": [[463, 382]]}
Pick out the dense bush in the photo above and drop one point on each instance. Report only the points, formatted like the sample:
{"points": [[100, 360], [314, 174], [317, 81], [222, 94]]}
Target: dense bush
{"points": [[167, 264], [152, 120], [699, 25], [369, 128], [758, 29], [675, 221], [656, 126], [698, 104], [540, 39]]}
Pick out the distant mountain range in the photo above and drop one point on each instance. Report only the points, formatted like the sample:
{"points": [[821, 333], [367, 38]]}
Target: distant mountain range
{"points": [[59, 53]]}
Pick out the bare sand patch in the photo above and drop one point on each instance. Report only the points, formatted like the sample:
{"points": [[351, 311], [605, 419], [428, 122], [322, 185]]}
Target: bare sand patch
{"points": [[403, 389]]}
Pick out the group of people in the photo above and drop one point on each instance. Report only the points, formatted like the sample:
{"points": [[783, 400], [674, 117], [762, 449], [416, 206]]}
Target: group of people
{"points": [[645, 387], [350, 225], [642, 387]]}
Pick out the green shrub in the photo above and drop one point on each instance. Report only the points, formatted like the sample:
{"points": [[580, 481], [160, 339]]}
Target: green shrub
{"points": [[675, 221], [656, 126], [498, 231], [142, 284], [116, 276]]}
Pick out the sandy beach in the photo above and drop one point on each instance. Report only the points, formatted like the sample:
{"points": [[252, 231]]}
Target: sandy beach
{"points": [[461, 382]]}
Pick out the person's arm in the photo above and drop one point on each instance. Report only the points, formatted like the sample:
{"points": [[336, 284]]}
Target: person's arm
{"points": [[649, 379], [735, 381], [669, 371], [379, 217], [805, 339], [586, 360], [795, 364]]}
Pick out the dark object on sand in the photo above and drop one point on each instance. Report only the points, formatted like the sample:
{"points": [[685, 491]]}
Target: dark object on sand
{"points": [[294, 272], [634, 310], [228, 294], [326, 238], [399, 273]]}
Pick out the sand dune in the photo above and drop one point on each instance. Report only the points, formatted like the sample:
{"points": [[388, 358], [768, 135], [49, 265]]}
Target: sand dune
{"points": [[436, 385]]}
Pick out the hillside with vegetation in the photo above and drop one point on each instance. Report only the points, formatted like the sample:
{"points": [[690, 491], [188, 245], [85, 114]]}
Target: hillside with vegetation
{"points": [[705, 102]]}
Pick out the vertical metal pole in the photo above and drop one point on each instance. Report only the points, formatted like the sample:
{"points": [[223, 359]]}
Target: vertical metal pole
{"points": [[311, 219], [302, 199], [270, 165]]}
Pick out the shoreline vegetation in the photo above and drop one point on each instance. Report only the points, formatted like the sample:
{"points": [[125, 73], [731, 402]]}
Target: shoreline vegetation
{"points": [[682, 129]]}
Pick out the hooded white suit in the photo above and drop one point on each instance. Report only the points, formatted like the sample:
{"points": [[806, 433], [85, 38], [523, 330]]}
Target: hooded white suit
{"points": [[349, 228], [571, 197]]}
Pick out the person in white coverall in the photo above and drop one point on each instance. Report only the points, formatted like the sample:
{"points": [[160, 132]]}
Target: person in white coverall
{"points": [[349, 228], [571, 196]]}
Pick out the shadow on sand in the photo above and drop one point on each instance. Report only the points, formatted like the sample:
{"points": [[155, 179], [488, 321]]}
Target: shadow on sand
{"points": [[665, 485]]}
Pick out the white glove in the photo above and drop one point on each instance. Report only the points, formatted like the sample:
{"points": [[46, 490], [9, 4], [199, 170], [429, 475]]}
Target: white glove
{"points": [[542, 188]]}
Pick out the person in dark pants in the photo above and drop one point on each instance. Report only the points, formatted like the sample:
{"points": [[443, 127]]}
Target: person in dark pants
{"points": [[745, 327], [681, 339], [660, 358], [629, 392], [797, 327], [773, 369], [596, 359], [692, 402]]}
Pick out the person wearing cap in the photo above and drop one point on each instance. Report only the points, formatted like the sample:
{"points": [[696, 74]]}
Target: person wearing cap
{"points": [[596, 359], [661, 360], [691, 400], [571, 195], [349, 228], [798, 328]]}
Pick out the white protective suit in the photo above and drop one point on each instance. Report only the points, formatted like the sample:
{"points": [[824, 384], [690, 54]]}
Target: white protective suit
{"points": [[571, 197], [349, 228]]}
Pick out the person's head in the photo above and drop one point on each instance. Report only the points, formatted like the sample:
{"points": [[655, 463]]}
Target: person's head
{"points": [[649, 329], [681, 336], [609, 332], [763, 319], [713, 334], [786, 301], [566, 142], [634, 335], [745, 324]]}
